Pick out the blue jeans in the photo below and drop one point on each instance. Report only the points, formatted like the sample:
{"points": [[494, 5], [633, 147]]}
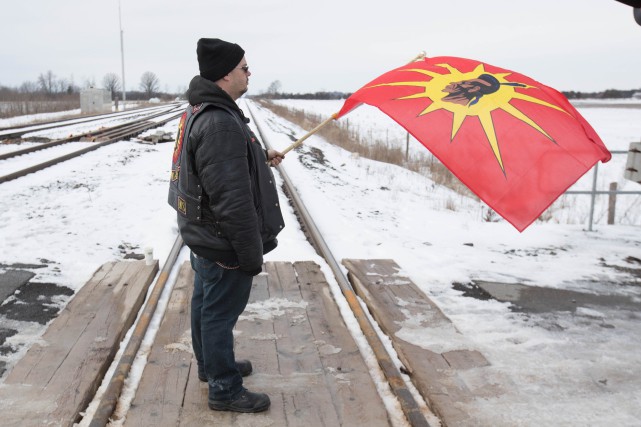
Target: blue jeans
{"points": [[220, 296]]}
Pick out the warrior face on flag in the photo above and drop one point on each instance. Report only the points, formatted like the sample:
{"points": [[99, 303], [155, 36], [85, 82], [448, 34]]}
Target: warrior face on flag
{"points": [[469, 92]]}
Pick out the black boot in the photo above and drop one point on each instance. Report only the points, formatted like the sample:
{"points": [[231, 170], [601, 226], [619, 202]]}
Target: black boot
{"points": [[244, 367], [245, 401]]}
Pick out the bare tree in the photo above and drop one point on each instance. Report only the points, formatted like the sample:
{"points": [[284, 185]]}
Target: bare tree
{"points": [[62, 86], [72, 88], [149, 83], [47, 82], [274, 88], [111, 82], [28, 87], [90, 82]]}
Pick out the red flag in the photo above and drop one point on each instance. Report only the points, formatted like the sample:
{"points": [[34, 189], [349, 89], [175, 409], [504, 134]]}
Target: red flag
{"points": [[514, 142]]}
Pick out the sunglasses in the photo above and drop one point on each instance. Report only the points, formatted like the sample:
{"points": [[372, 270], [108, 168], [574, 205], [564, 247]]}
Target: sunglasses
{"points": [[245, 68]]}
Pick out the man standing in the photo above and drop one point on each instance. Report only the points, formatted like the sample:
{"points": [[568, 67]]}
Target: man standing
{"points": [[228, 215]]}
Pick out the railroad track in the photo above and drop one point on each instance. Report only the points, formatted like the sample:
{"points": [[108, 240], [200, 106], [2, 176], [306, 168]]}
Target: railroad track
{"points": [[89, 136], [397, 384], [95, 139], [13, 132], [408, 403]]}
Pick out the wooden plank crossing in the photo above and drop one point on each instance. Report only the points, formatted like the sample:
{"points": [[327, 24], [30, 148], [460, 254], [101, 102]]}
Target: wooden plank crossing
{"points": [[446, 371], [59, 375], [304, 358]]}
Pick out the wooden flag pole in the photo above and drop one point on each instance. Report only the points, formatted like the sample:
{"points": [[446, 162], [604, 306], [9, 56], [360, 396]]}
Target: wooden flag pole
{"points": [[418, 57], [332, 117], [310, 133]]}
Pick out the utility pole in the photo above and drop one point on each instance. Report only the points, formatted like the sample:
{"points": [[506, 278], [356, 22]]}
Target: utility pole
{"points": [[122, 59]]}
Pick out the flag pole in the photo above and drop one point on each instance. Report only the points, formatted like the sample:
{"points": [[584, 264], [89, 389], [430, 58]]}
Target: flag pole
{"points": [[333, 117], [418, 57], [310, 133]]}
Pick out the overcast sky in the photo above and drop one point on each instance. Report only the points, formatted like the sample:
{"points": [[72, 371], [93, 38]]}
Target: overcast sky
{"points": [[586, 45]]}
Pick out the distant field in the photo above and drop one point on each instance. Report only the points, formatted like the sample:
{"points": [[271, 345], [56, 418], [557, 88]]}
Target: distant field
{"points": [[17, 108], [604, 104]]}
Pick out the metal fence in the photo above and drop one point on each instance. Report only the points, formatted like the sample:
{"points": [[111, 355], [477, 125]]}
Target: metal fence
{"points": [[613, 192]]}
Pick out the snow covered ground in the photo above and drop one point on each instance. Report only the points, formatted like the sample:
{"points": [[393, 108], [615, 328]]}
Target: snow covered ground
{"points": [[559, 368], [615, 122], [568, 368]]}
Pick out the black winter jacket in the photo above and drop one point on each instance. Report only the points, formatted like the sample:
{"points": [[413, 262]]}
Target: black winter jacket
{"points": [[225, 168]]}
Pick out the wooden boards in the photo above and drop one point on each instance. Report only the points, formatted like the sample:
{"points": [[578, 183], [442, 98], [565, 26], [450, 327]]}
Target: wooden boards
{"points": [[304, 358], [59, 375], [444, 368]]}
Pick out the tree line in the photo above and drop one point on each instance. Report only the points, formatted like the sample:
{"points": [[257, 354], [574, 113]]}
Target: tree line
{"points": [[50, 93], [311, 95], [606, 94], [274, 92], [51, 86]]}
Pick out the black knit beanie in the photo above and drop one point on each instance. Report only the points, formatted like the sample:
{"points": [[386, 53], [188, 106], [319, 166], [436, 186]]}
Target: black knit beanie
{"points": [[217, 58]]}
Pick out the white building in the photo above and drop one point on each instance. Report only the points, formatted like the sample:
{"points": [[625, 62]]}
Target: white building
{"points": [[94, 100]]}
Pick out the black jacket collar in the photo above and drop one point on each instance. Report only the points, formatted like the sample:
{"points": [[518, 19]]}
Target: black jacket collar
{"points": [[203, 90]]}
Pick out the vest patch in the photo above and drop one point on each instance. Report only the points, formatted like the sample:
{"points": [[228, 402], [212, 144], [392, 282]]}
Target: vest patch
{"points": [[175, 173], [180, 136], [182, 205]]}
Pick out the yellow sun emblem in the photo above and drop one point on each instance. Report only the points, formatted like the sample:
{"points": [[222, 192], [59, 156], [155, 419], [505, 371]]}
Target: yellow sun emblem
{"points": [[468, 94]]}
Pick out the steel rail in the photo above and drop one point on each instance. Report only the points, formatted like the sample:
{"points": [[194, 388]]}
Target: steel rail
{"points": [[92, 133], [36, 127], [43, 146], [110, 397], [132, 130], [392, 374]]}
